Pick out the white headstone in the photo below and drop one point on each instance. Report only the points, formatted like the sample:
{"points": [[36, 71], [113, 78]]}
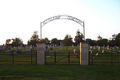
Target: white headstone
{"points": [[90, 47], [26, 49], [30, 47]]}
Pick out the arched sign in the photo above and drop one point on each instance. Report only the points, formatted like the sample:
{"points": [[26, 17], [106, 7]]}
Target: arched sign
{"points": [[62, 17]]}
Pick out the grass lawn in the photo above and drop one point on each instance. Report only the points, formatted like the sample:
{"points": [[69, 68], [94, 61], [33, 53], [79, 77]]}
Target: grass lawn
{"points": [[59, 72]]}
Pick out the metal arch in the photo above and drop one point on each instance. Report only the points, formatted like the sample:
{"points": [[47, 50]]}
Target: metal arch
{"points": [[61, 17]]}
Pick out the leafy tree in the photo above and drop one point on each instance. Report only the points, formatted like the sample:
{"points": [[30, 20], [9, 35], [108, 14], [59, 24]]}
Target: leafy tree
{"points": [[34, 39], [46, 41], [114, 36], [67, 41], [113, 41], [99, 37], [91, 42], [99, 41], [8, 42], [118, 40], [54, 41], [104, 42], [79, 37], [16, 42]]}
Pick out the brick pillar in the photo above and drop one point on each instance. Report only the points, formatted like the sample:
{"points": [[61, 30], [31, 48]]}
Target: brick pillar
{"points": [[40, 54], [84, 53]]}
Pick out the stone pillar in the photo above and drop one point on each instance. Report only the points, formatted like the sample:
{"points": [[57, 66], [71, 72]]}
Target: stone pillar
{"points": [[84, 53], [40, 54]]}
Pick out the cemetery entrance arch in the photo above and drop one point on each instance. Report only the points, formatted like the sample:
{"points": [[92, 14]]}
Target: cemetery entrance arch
{"points": [[62, 17]]}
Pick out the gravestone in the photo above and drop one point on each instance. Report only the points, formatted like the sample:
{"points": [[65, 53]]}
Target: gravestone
{"points": [[33, 47], [10, 47], [102, 51], [55, 46], [26, 49], [90, 47], [21, 46], [16, 48], [40, 54], [84, 53], [30, 47]]}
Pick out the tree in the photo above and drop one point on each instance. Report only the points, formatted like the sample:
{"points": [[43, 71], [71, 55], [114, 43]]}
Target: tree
{"points": [[104, 42], [79, 37], [67, 41], [14, 42], [99, 37], [114, 36], [118, 40], [34, 36], [8, 42], [17, 41], [99, 41], [113, 41], [46, 41], [34, 39], [91, 42], [54, 41]]}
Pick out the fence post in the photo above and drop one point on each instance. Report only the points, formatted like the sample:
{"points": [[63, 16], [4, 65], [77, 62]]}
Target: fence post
{"points": [[69, 56], [92, 58], [89, 57], [55, 57], [45, 57], [36, 56], [111, 57], [13, 58], [31, 56]]}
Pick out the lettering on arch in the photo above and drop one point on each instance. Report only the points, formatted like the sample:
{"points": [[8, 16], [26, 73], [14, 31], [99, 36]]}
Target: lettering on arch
{"points": [[62, 17]]}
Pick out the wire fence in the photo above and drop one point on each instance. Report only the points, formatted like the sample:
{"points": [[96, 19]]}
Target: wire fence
{"points": [[62, 57], [18, 58], [104, 58]]}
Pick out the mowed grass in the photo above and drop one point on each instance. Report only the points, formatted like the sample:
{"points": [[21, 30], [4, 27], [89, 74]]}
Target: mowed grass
{"points": [[59, 72]]}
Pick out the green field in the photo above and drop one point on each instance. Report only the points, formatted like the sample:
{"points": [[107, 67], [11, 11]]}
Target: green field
{"points": [[59, 72]]}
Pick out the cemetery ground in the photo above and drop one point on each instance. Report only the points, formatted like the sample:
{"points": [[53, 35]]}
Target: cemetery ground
{"points": [[27, 71]]}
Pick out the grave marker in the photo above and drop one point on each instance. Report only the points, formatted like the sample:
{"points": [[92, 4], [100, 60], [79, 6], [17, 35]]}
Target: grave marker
{"points": [[26, 48]]}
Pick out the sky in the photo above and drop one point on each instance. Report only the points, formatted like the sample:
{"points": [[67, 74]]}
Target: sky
{"points": [[20, 18]]}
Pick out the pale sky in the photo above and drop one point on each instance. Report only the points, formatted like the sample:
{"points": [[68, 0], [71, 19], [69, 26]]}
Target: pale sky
{"points": [[20, 18]]}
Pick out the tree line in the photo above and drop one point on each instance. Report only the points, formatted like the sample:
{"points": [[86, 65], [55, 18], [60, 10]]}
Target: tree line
{"points": [[67, 41]]}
